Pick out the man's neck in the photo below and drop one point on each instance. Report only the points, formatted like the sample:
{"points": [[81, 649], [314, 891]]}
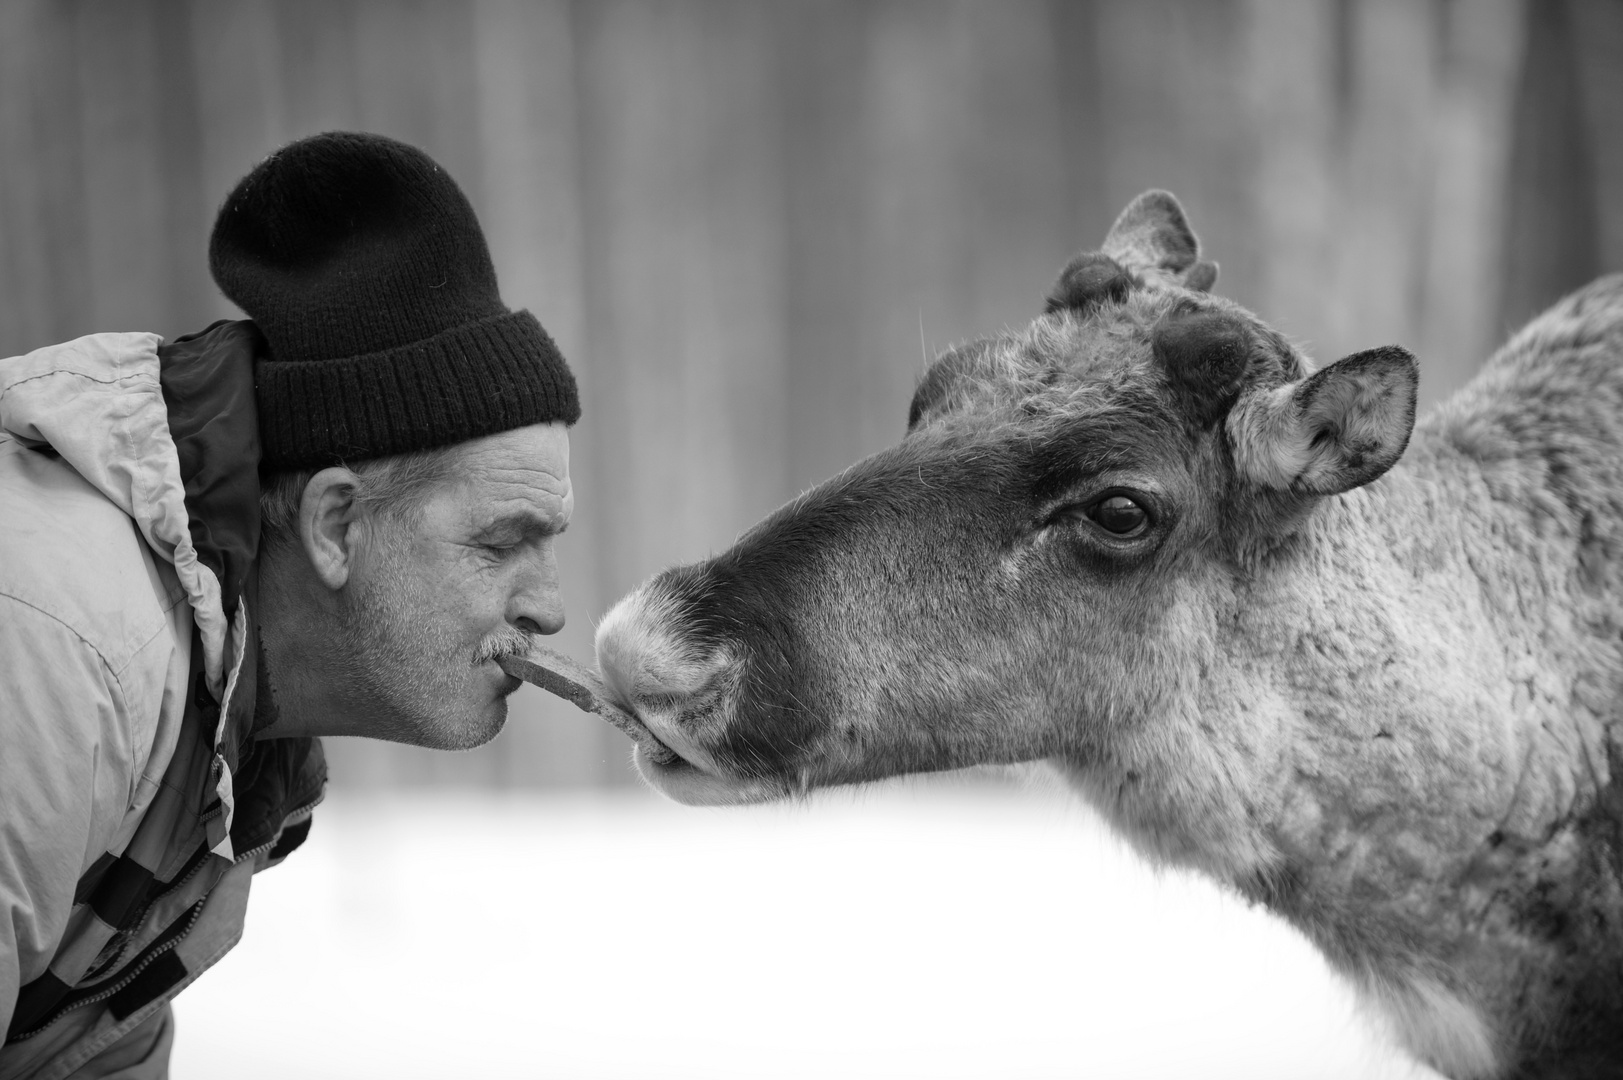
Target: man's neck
{"points": [[296, 647], [265, 710]]}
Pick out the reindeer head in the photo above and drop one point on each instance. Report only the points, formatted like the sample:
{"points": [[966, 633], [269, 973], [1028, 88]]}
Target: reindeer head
{"points": [[1043, 567]]}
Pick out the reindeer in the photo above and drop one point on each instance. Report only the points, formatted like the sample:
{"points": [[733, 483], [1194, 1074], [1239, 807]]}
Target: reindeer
{"points": [[1366, 672]]}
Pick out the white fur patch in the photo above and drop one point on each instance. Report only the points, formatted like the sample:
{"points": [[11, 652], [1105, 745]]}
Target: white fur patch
{"points": [[1271, 445], [1436, 1026], [640, 651], [653, 671]]}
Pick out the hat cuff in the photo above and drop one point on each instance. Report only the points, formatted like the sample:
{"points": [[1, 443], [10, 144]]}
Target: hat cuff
{"points": [[473, 380]]}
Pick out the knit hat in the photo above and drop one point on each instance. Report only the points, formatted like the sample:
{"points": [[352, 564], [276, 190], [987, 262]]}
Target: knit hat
{"points": [[362, 263]]}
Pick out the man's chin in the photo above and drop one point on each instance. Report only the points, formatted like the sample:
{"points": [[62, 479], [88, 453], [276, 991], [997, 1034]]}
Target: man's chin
{"points": [[465, 733], [485, 728]]}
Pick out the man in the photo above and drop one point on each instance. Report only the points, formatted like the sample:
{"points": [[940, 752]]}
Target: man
{"points": [[333, 519]]}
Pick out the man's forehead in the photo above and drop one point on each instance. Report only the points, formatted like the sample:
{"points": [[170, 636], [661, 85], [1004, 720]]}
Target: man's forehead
{"points": [[537, 448], [512, 470]]}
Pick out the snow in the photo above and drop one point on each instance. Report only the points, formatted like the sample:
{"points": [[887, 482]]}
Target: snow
{"points": [[909, 930]]}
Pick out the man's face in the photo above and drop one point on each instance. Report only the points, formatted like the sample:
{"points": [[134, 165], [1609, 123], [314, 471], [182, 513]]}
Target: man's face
{"points": [[436, 596]]}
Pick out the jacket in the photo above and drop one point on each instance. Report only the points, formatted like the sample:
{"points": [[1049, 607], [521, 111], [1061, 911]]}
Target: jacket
{"points": [[135, 803]]}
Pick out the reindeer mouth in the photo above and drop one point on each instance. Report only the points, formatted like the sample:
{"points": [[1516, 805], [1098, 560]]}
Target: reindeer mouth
{"points": [[692, 785], [685, 693], [695, 777]]}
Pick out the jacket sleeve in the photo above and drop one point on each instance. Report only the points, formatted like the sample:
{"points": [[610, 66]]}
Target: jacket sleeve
{"points": [[65, 782]]}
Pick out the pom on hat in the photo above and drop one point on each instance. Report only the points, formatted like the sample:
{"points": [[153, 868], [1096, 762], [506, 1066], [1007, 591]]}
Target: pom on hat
{"points": [[364, 266]]}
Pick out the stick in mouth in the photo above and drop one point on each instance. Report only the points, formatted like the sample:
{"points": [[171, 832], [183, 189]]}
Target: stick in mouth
{"points": [[580, 685]]}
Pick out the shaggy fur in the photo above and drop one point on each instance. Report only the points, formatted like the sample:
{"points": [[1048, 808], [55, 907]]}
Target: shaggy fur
{"points": [[1369, 679]]}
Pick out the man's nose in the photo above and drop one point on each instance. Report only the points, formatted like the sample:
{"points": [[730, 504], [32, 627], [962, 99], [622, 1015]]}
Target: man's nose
{"points": [[537, 604]]}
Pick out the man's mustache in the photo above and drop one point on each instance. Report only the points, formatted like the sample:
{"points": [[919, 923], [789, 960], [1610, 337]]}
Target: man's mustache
{"points": [[507, 641]]}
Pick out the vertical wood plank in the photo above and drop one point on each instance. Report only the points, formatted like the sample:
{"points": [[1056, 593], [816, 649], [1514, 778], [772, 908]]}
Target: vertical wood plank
{"points": [[1598, 26], [1289, 66], [1079, 85], [1377, 249], [242, 116], [188, 306], [683, 245], [1010, 207], [1553, 227], [318, 50], [415, 79], [125, 203], [1463, 275], [1382, 140], [1173, 117], [961, 197], [824, 50], [919, 85], [44, 262]]}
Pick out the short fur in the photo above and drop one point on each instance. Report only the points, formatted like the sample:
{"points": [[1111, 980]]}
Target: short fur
{"points": [[1380, 696]]}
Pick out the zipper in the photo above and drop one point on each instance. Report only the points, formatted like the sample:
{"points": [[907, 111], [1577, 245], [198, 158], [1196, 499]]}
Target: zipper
{"points": [[168, 944], [173, 941], [128, 934], [294, 817]]}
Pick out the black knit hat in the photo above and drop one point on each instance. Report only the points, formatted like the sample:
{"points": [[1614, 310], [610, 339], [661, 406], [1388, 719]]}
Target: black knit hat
{"points": [[362, 263]]}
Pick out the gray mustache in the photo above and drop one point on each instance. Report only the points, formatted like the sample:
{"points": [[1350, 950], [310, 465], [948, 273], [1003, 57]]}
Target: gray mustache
{"points": [[508, 641]]}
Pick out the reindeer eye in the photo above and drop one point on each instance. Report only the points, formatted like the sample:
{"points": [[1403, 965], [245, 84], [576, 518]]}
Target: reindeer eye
{"points": [[1119, 516]]}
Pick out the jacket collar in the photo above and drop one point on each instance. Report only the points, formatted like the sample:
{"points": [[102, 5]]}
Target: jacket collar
{"points": [[168, 432]]}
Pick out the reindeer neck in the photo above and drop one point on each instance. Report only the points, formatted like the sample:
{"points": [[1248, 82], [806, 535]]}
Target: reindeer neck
{"points": [[1468, 611]]}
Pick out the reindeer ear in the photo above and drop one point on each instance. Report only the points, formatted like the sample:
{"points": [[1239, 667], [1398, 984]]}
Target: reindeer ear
{"points": [[1338, 429], [1152, 238]]}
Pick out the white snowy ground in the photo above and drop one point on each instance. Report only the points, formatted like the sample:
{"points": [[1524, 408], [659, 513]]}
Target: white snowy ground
{"points": [[917, 930]]}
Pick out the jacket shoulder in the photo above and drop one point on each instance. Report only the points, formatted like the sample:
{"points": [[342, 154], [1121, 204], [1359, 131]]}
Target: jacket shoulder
{"points": [[70, 553]]}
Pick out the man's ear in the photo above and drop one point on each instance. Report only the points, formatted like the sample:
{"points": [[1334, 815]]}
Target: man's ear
{"points": [[1152, 239], [327, 517], [1338, 429]]}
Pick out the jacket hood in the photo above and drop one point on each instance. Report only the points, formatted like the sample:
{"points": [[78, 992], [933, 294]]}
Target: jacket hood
{"points": [[168, 433]]}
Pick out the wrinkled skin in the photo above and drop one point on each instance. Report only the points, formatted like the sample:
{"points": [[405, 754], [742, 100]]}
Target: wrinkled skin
{"points": [[1141, 540], [388, 621]]}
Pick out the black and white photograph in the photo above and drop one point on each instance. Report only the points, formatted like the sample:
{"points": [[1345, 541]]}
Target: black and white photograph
{"points": [[811, 539]]}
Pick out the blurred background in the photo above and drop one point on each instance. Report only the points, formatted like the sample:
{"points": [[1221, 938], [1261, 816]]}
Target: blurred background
{"points": [[749, 225]]}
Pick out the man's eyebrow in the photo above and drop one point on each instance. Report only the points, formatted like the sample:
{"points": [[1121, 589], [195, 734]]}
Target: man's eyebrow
{"points": [[528, 522]]}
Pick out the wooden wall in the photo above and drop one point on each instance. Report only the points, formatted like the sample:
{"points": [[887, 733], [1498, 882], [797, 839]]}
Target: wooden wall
{"points": [[749, 224]]}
